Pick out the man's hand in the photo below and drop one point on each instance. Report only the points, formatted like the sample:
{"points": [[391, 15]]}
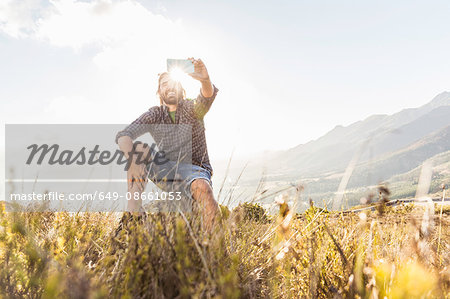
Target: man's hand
{"points": [[201, 74], [137, 175]]}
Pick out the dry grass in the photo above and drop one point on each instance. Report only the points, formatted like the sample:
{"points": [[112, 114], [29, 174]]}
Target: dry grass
{"points": [[315, 255]]}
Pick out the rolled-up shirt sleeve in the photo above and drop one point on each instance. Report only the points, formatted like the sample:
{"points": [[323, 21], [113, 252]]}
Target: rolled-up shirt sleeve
{"points": [[137, 128], [202, 104]]}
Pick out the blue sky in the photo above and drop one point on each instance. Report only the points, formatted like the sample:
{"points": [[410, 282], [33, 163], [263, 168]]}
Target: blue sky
{"points": [[288, 71]]}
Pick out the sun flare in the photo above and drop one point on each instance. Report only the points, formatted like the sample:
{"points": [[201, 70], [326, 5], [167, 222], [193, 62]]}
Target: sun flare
{"points": [[178, 75], [189, 84]]}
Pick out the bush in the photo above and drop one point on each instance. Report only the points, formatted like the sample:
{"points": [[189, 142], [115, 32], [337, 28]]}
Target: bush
{"points": [[252, 212]]}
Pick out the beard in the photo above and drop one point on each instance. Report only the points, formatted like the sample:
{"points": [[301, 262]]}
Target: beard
{"points": [[172, 97]]}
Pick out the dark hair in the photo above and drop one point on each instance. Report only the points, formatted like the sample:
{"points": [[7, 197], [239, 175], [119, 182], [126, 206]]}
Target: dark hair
{"points": [[160, 76]]}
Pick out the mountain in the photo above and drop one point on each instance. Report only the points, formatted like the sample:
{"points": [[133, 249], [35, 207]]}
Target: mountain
{"points": [[389, 165], [402, 160], [374, 137], [385, 148]]}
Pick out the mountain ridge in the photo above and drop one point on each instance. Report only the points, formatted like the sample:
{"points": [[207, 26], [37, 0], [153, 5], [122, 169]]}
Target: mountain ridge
{"points": [[442, 99], [390, 133]]}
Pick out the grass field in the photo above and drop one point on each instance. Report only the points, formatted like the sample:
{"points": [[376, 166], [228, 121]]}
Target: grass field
{"points": [[400, 252]]}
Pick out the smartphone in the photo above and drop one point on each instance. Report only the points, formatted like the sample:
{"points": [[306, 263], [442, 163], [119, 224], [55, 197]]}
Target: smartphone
{"points": [[184, 65]]}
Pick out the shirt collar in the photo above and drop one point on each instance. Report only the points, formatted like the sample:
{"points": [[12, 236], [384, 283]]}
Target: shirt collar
{"points": [[166, 109]]}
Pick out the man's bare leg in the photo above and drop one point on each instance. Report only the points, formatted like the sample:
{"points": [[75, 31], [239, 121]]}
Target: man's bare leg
{"points": [[135, 189], [203, 194], [134, 207], [136, 186]]}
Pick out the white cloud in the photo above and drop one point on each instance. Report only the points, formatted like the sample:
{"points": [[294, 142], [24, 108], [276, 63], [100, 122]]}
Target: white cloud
{"points": [[131, 45], [18, 18], [132, 42], [107, 23], [125, 33]]}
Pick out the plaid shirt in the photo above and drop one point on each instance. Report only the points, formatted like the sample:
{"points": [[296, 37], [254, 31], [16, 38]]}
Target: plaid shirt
{"points": [[188, 117]]}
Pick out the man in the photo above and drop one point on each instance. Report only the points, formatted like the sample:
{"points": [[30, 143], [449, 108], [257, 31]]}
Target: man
{"points": [[175, 109]]}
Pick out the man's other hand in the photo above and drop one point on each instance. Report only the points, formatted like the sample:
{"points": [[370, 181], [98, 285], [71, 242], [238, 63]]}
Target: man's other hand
{"points": [[137, 174]]}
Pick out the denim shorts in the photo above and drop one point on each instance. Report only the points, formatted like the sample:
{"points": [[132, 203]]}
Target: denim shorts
{"points": [[176, 177]]}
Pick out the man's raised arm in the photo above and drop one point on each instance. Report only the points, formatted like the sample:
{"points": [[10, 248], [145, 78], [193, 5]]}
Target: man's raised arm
{"points": [[207, 92], [207, 89]]}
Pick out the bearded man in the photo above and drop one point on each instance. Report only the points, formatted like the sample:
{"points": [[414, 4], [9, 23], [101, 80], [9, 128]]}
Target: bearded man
{"points": [[192, 179]]}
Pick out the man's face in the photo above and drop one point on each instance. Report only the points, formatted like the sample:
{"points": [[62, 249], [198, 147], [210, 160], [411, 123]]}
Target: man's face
{"points": [[171, 91]]}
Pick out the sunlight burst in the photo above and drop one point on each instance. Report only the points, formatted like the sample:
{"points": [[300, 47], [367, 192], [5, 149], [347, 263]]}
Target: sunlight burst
{"points": [[177, 74], [189, 84]]}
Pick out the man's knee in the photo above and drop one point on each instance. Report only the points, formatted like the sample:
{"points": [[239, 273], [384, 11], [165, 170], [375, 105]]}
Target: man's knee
{"points": [[201, 186]]}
